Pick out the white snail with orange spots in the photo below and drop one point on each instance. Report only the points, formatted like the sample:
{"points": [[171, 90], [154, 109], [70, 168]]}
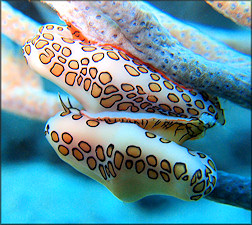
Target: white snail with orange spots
{"points": [[118, 92], [130, 161]]}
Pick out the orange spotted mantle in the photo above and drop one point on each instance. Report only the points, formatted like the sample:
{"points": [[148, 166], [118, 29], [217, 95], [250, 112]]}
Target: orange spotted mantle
{"points": [[130, 161], [114, 87]]}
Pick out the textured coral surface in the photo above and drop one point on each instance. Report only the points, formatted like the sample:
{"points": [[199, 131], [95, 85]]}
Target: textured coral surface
{"points": [[154, 37]]}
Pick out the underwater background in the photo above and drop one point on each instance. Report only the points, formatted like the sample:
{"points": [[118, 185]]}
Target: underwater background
{"points": [[38, 187]]}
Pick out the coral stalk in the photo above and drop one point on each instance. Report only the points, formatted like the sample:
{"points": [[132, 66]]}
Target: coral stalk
{"points": [[22, 89], [233, 190], [137, 28], [237, 11], [16, 25]]}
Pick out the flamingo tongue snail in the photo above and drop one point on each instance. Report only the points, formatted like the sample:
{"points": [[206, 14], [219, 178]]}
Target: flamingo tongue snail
{"points": [[130, 161], [128, 135]]}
